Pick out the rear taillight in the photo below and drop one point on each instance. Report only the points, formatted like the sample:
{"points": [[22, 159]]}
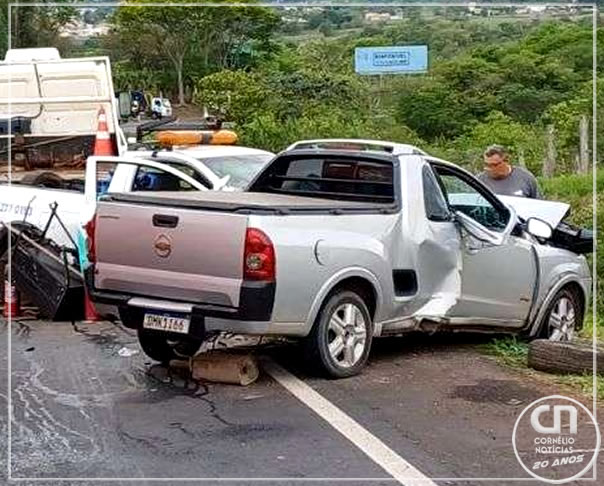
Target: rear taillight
{"points": [[258, 256], [90, 228]]}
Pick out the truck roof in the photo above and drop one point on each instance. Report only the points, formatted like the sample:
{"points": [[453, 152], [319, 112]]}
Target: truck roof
{"points": [[354, 144], [59, 96]]}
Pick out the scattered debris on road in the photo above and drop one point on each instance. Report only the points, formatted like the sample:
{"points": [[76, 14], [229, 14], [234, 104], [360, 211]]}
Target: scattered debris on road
{"points": [[127, 352], [221, 367]]}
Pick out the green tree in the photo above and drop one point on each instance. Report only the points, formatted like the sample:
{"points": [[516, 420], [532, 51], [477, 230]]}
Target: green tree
{"points": [[236, 95], [432, 109], [565, 117], [36, 26], [154, 34], [521, 140], [183, 36]]}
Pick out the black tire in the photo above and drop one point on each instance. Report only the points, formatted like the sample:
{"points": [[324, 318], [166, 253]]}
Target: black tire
{"points": [[564, 357], [567, 327], [43, 179], [160, 347], [3, 243], [317, 349], [131, 317]]}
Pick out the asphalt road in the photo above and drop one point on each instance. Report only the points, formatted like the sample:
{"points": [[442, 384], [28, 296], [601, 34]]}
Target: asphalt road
{"points": [[83, 411]]}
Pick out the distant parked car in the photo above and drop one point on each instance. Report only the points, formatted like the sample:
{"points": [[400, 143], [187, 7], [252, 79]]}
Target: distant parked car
{"points": [[161, 108]]}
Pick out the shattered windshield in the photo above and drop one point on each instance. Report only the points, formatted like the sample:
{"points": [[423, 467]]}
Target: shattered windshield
{"points": [[241, 168]]}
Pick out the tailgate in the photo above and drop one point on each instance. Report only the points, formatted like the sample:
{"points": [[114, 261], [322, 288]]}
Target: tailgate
{"points": [[179, 254]]}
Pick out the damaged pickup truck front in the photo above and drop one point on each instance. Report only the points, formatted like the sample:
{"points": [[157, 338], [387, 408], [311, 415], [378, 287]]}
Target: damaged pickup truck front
{"points": [[336, 242]]}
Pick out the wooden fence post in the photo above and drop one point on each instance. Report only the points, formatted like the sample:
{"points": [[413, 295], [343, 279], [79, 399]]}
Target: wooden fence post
{"points": [[549, 164], [583, 145]]}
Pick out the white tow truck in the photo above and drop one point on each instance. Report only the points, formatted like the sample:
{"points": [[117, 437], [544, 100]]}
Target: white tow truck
{"points": [[46, 100], [49, 118]]}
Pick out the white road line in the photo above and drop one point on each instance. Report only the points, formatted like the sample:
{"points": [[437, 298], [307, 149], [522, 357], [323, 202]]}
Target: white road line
{"points": [[373, 447]]}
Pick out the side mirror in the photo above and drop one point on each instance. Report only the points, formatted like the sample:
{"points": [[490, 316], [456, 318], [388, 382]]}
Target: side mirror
{"points": [[539, 228]]}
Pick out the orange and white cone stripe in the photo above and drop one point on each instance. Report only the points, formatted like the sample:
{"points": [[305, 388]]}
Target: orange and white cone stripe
{"points": [[102, 143]]}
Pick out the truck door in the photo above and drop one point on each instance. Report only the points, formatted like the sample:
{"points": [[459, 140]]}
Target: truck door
{"points": [[498, 268]]}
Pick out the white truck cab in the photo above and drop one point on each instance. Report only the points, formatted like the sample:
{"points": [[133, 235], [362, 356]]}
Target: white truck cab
{"points": [[45, 97]]}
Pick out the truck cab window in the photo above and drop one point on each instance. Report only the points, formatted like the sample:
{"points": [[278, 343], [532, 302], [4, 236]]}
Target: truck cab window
{"points": [[465, 197], [434, 200], [152, 179], [191, 173], [104, 175], [345, 178]]}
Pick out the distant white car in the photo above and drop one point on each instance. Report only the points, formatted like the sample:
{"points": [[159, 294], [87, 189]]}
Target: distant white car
{"points": [[160, 108]]}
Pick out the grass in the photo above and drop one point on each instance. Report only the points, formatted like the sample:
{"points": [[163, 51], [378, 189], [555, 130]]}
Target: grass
{"points": [[510, 350], [513, 351], [587, 331]]}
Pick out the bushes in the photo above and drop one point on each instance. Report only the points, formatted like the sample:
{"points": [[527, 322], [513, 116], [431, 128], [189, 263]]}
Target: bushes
{"points": [[523, 141], [274, 109], [275, 134]]}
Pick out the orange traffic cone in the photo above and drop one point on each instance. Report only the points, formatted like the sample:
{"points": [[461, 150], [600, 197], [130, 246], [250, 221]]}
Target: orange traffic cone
{"points": [[90, 313], [12, 300], [102, 143], [102, 146]]}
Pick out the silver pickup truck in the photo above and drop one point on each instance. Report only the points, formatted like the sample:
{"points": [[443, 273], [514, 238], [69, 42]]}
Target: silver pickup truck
{"points": [[336, 242]]}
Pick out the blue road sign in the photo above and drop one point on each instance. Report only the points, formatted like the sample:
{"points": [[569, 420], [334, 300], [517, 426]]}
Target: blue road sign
{"points": [[391, 60]]}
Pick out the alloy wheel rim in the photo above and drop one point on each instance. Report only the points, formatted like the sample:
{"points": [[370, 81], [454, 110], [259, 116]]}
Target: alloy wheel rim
{"points": [[347, 335], [562, 320]]}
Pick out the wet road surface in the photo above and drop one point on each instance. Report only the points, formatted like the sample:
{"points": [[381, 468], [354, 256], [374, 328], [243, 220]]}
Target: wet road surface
{"points": [[83, 411]]}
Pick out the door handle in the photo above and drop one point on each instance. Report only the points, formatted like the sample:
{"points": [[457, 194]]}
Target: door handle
{"points": [[474, 247], [165, 221]]}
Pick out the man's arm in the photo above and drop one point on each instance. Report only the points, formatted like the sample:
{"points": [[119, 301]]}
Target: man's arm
{"points": [[535, 192]]}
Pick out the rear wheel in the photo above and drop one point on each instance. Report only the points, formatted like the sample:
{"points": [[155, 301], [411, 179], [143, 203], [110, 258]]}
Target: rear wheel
{"points": [[340, 341], [3, 242], [160, 347], [43, 179]]}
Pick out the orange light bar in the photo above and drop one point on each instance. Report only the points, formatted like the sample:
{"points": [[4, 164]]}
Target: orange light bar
{"points": [[196, 137]]}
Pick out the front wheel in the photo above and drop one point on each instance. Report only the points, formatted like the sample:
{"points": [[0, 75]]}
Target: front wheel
{"points": [[340, 340], [563, 317]]}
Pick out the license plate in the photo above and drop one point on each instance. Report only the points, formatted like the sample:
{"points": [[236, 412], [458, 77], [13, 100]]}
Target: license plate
{"points": [[166, 322]]}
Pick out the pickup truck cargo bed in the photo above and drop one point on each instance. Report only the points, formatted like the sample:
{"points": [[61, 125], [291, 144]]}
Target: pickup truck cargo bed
{"points": [[242, 201]]}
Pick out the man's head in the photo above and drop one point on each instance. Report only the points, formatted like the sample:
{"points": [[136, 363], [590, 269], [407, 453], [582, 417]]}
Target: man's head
{"points": [[496, 163]]}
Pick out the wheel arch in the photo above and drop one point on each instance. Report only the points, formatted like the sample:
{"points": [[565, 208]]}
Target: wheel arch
{"points": [[571, 281], [357, 279], [575, 287]]}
